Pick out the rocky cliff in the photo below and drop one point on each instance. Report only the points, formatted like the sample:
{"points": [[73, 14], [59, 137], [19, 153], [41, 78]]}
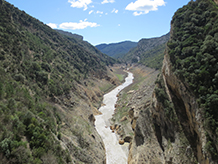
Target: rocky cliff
{"points": [[180, 124]]}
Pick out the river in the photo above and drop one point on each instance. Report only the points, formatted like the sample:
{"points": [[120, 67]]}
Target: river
{"points": [[115, 153]]}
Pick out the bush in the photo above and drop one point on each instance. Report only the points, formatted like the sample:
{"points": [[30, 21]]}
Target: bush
{"points": [[19, 77]]}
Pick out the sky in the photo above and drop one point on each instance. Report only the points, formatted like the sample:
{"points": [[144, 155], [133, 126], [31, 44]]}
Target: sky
{"points": [[105, 21]]}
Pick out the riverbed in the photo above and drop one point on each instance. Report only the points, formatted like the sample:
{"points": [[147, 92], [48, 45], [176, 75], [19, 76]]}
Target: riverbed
{"points": [[115, 153]]}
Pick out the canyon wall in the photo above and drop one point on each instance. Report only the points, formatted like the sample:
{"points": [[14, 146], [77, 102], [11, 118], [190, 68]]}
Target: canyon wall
{"points": [[179, 125]]}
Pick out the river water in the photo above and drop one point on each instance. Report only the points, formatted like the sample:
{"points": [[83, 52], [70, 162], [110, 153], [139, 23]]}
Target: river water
{"points": [[115, 153]]}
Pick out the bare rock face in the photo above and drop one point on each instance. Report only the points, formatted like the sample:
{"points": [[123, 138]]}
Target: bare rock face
{"points": [[170, 129]]}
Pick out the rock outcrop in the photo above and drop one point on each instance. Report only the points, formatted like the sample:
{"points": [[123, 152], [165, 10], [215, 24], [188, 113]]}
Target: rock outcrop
{"points": [[169, 135], [172, 128]]}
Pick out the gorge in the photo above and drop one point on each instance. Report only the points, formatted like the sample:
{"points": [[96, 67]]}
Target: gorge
{"points": [[52, 84]]}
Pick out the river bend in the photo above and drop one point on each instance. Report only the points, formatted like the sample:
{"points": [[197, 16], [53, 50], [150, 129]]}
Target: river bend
{"points": [[115, 153]]}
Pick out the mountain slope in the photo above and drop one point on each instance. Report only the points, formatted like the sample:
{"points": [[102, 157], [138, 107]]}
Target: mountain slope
{"points": [[116, 50], [69, 34], [180, 125], [149, 52], [49, 91], [77, 39], [154, 57]]}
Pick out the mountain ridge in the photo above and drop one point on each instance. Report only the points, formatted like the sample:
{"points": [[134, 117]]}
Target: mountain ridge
{"points": [[145, 45], [116, 50]]}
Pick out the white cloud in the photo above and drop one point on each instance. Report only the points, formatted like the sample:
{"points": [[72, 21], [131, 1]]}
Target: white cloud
{"points": [[76, 26], [80, 3], [144, 6], [99, 12], [114, 11], [91, 12], [52, 25], [138, 13], [107, 1], [118, 24]]}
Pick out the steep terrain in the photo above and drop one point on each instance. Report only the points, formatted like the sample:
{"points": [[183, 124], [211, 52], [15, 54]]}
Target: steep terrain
{"points": [[69, 34], [116, 50], [181, 123], [148, 52], [50, 88]]}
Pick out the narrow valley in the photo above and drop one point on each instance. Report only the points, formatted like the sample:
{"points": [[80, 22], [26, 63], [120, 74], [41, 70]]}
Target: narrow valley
{"points": [[63, 101]]}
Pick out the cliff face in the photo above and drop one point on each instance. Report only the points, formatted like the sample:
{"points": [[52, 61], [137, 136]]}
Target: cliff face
{"points": [[169, 135], [170, 130], [180, 125]]}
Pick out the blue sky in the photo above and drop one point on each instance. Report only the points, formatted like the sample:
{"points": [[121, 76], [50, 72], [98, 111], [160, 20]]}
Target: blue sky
{"points": [[105, 21]]}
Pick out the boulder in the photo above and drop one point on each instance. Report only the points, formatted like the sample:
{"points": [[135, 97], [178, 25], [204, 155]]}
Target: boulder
{"points": [[121, 141], [128, 139], [123, 119], [132, 91]]}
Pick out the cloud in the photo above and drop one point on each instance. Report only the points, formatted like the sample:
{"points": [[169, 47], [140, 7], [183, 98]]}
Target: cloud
{"points": [[114, 11], [91, 12], [107, 1], [52, 25], [144, 6], [99, 12], [77, 26], [80, 3]]}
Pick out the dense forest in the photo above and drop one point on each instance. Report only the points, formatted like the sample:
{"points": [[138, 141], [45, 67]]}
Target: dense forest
{"points": [[193, 53]]}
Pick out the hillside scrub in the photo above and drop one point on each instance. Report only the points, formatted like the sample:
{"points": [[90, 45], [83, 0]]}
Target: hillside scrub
{"points": [[42, 96]]}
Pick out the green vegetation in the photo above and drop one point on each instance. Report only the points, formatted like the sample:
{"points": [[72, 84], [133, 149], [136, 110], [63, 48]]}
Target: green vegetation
{"points": [[28, 126], [163, 98], [149, 52], [116, 50], [154, 57], [193, 53], [120, 77], [37, 65]]}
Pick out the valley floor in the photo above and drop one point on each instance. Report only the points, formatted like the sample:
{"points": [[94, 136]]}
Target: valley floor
{"points": [[131, 100]]}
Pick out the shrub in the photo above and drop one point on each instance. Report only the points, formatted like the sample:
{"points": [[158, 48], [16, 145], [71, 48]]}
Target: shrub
{"points": [[19, 77]]}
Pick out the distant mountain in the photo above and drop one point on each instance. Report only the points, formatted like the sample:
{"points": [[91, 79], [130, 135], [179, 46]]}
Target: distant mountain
{"points": [[116, 50], [149, 52]]}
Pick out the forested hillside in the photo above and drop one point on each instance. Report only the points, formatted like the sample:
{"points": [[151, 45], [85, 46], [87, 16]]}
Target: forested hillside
{"points": [[46, 110], [149, 52], [116, 50]]}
